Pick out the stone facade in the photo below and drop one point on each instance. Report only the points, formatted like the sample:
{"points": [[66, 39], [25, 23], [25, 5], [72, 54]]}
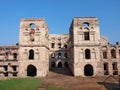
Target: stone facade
{"points": [[59, 50], [9, 61], [34, 47], [83, 51]]}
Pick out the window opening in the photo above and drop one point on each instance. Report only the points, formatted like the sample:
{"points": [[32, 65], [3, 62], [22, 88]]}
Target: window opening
{"points": [[115, 70], [53, 65], [86, 36], [65, 46], [32, 25], [66, 64], [14, 68], [31, 54], [113, 53], [52, 45], [65, 55], [5, 68], [87, 54], [104, 55], [59, 45], [59, 65], [85, 24], [14, 56], [6, 74], [53, 55], [106, 72], [59, 55]]}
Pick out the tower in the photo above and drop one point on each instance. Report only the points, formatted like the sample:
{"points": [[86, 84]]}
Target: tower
{"points": [[85, 42], [33, 47]]}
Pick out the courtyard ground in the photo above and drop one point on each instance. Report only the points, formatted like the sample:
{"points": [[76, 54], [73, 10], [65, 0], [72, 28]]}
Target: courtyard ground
{"points": [[64, 79]]}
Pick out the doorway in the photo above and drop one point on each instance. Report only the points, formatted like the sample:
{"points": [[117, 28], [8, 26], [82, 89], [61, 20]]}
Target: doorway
{"points": [[88, 70], [31, 70]]}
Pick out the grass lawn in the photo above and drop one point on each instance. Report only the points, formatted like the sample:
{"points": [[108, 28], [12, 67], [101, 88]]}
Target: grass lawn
{"points": [[24, 84]]}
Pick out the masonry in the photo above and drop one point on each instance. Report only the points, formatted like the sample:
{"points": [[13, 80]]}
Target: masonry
{"points": [[83, 51]]}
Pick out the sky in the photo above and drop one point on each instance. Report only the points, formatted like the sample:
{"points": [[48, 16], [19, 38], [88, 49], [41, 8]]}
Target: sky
{"points": [[58, 15]]}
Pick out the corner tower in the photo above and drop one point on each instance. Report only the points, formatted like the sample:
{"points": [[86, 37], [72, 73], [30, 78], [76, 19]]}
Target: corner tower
{"points": [[85, 42], [33, 51]]}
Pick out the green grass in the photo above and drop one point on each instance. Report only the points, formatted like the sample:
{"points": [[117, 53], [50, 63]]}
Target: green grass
{"points": [[24, 84], [20, 84]]}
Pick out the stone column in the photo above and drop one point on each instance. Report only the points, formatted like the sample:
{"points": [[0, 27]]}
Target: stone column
{"points": [[109, 53], [117, 53], [10, 74], [110, 69]]}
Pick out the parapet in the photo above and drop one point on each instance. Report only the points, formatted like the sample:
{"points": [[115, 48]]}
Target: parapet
{"points": [[85, 18], [32, 19]]}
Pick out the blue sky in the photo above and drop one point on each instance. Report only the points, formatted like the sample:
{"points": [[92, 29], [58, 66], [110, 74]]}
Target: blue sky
{"points": [[58, 15]]}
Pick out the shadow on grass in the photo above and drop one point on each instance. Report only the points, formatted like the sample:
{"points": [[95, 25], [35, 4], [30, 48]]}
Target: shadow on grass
{"points": [[110, 85]]}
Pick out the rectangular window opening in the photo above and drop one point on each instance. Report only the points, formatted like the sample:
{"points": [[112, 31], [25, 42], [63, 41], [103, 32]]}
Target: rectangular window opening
{"points": [[52, 45], [59, 45], [104, 55], [86, 36]]}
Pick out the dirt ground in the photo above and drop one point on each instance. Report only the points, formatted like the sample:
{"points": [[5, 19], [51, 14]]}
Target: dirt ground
{"points": [[65, 80]]}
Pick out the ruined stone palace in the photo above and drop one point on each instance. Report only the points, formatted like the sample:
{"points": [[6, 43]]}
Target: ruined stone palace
{"points": [[82, 51]]}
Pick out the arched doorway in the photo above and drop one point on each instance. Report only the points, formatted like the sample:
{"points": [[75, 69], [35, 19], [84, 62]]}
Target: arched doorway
{"points": [[66, 64], [88, 70], [113, 53], [59, 65], [31, 71], [53, 65], [106, 69]]}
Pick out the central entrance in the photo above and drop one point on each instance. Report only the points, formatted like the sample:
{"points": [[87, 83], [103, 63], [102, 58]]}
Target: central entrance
{"points": [[59, 65], [31, 70], [88, 70]]}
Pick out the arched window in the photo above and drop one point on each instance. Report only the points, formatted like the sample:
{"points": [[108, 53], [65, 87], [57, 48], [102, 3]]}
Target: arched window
{"points": [[59, 55], [114, 66], [31, 54], [32, 25], [65, 46], [104, 55], [113, 53], [59, 65], [53, 55], [85, 24], [87, 54], [53, 65], [65, 55], [66, 64]]}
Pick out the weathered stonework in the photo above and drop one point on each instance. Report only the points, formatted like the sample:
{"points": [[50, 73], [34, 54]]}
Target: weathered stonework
{"points": [[33, 37], [83, 51]]}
